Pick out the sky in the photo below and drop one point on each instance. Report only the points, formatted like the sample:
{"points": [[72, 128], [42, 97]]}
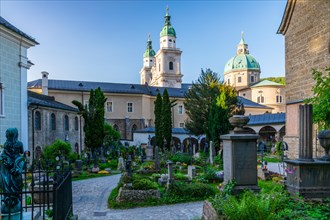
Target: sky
{"points": [[104, 41]]}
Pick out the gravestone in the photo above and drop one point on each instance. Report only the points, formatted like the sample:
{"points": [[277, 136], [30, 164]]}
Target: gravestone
{"points": [[78, 165], [240, 161], [194, 150], [170, 171], [149, 153], [191, 172], [120, 164], [211, 153]]}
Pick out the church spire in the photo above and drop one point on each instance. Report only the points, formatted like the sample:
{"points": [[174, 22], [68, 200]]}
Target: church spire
{"points": [[242, 47], [149, 51]]}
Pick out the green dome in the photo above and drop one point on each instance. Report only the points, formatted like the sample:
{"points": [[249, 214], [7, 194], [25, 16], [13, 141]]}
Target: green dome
{"points": [[167, 30], [242, 62], [149, 51]]}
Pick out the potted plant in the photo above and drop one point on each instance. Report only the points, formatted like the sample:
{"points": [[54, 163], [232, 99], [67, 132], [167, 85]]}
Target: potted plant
{"points": [[321, 108]]}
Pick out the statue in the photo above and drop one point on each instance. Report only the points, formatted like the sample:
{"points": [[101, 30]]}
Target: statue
{"points": [[11, 168]]}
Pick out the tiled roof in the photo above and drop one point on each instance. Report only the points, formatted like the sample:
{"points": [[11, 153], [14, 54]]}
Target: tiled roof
{"points": [[109, 87], [16, 30], [125, 88], [250, 104], [47, 101], [278, 118], [152, 130]]}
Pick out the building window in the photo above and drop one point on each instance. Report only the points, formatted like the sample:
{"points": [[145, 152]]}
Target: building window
{"points": [[252, 79], [86, 103], [170, 40], [260, 99], [228, 81], [76, 124], [53, 122], [37, 120], [279, 99], [181, 125], [180, 109], [109, 107], [171, 65], [244, 94], [116, 127], [1, 100], [158, 67], [239, 79], [66, 123], [130, 107]]}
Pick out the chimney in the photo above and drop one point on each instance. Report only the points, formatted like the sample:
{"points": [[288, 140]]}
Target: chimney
{"points": [[44, 82]]}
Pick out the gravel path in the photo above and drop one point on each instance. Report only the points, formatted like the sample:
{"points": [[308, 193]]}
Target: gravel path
{"points": [[90, 202]]}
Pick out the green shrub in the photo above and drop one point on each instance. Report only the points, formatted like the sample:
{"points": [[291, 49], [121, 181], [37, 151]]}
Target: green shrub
{"points": [[180, 176], [182, 158], [191, 190], [210, 173], [218, 160], [144, 184], [58, 148], [73, 156], [149, 165]]}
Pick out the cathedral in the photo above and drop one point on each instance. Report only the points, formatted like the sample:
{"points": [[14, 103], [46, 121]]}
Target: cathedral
{"points": [[163, 69]]}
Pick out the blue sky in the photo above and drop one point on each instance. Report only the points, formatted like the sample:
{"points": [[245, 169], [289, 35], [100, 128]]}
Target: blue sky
{"points": [[105, 40]]}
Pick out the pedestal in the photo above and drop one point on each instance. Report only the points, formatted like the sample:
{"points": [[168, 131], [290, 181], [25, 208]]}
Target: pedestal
{"points": [[240, 161], [310, 179]]}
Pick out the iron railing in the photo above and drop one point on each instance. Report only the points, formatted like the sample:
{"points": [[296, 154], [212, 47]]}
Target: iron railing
{"points": [[47, 192]]}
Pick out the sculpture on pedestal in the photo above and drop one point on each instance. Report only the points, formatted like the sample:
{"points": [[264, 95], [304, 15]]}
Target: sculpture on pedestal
{"points": [[11, 168]]}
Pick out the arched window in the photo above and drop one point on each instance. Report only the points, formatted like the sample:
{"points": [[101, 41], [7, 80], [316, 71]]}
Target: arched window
{"points": [[37, 120], [53, 122], [171, 65], [260, 99], [76, 124], [66, 123], [134, 128], [116, 127]]}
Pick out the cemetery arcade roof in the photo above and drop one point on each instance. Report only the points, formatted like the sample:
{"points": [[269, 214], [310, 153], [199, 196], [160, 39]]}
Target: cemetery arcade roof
{"points": [[264, 119]]}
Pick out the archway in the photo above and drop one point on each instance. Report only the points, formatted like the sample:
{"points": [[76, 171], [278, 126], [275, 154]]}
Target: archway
{"points": [[281, 133], [267, 135], [249, 130]]}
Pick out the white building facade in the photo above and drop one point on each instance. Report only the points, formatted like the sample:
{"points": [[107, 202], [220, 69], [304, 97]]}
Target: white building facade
{"points": [[14, 64]]}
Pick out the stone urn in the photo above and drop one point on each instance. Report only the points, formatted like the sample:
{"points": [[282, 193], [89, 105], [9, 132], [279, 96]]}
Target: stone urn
{"points": [[324, 139], [238, 121]]}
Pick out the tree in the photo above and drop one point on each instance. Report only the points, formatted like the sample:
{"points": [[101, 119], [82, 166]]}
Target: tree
{"points": [[280, 79], [158, 121], [167, 119], [93, 115], [198, 101], [221, 110], [321, 99], [111, 136]]}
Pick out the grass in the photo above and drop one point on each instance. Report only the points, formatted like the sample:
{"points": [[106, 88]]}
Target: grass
{"points": [[270, 158]]}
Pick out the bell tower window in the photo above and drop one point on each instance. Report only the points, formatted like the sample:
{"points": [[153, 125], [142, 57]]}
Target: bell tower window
{"points": [[252, 79], [171, 65]]}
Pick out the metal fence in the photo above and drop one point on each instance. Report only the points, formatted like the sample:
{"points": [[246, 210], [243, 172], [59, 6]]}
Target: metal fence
{"points": [[47, 192]]}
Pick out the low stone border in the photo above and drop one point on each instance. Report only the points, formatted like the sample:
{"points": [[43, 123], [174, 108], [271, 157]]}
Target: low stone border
{"points": [[209, 212], [127, 195]]}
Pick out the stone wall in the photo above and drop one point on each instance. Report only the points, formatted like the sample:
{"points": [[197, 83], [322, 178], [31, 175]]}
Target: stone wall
{"points": [[307, 47], [126, 195], [46, 136], [209, 212]]}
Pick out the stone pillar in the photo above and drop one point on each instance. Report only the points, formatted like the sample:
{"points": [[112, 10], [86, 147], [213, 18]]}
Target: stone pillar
{"points": [[194, 150], [157, 163], [240, 160], [305, 132], [170, 171], [191, 172], [211, 153]]}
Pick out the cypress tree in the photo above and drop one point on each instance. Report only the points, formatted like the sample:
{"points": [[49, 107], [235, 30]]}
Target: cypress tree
{"points": [[167, 119], [158, 121]]}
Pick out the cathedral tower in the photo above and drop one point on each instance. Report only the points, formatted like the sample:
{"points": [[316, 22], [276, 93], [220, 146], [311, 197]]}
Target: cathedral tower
{"points": [[148, 63], [166, 68]]}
